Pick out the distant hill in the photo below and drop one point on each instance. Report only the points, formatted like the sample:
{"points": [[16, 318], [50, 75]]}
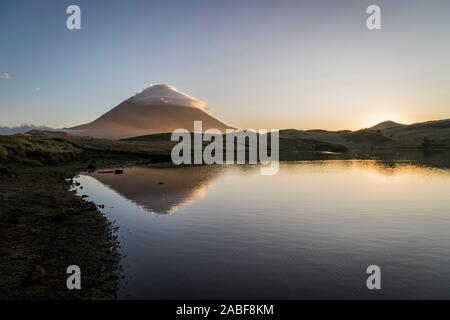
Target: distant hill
{"points": [[157, 109], [386, 125], [430, 134], [385, 135], [22, 128], [287, 145], [347, 138]]}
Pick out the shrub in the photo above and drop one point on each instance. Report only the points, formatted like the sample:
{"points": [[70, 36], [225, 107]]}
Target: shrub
{"points": [[3, 154]]}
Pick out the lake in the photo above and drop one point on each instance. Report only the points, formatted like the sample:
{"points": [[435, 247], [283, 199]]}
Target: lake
{"points": [[226, 232]]}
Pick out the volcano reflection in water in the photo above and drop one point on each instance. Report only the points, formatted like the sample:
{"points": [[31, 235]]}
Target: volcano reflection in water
{"points": [[160, 190]]}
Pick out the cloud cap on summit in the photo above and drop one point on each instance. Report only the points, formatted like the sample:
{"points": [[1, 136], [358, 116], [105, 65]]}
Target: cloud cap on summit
{"points": [[157, 109]]}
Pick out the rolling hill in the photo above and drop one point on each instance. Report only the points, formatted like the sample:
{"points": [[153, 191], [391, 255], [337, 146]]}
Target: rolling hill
{"points": [[385, 135]]}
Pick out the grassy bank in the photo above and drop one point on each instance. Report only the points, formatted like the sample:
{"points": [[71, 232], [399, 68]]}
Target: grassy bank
{"points": [[45, 227]]}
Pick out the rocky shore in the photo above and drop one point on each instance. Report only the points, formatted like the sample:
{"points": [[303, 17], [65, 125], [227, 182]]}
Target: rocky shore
{"points": [[44, 228]]}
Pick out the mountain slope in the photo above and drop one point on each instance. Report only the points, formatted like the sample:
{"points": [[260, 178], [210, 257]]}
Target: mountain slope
{"points": [[157, 109], [386, 125]]}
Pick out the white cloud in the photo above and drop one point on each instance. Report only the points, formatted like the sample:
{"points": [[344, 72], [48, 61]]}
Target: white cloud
{"points": [[38, 89], [6, 76]]}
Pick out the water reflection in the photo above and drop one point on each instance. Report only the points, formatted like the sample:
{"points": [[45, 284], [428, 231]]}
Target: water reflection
{"points": [[164, 190], [160, 190], [308, 232]]}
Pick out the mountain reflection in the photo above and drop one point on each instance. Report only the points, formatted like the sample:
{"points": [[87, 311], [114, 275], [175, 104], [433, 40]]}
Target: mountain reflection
{"points": [[160, 190], [164, 190]]}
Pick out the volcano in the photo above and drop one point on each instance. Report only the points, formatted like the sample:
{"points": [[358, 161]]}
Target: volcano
{"points": [[157, 109]]}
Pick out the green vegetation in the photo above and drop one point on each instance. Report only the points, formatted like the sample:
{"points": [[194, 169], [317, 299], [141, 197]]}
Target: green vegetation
{"points": [[45, 147], [288, 144], [48, 148], [384, 137], [38, 151]]}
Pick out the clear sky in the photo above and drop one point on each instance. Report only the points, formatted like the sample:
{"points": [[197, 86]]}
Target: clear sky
{"points": [[258, 63]]}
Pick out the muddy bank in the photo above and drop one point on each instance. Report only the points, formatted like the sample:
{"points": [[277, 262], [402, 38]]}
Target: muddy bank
{"points": [[44, 228]]}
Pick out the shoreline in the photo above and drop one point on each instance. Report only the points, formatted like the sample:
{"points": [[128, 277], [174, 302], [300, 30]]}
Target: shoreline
{"points": [[44, 228]]}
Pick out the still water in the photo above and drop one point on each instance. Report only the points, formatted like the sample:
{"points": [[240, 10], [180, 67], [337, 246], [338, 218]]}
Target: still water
{"points": [[310, 231]]}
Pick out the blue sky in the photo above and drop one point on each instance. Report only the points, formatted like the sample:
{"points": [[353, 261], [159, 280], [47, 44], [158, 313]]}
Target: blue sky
{"points": [[258, 63]]}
